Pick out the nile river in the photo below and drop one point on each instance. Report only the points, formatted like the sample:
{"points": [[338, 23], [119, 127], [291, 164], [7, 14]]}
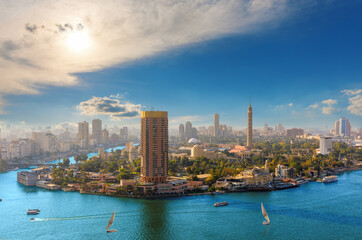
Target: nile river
{"points": [[313, 211]]}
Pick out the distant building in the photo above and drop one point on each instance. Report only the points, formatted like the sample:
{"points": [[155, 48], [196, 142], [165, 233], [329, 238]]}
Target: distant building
{"points": [[342, 127], [97, 130], [294, 132], [181, 131], [188, 131], [282, 171], [124, 133], [216, 125], [325, 145], [105, 137], [83, 133], [154, 146]]}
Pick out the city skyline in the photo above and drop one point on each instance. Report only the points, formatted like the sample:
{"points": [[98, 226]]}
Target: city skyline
{"points": [[304, 82]]}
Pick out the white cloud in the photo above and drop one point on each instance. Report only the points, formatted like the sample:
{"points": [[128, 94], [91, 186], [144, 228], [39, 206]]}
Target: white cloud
{"points": [[284, 106], [328, 110], [352, 91], [290, 104], [22, 122], [112, 107], [329, 102], [34, 36], [313, 106], [355, 106]]}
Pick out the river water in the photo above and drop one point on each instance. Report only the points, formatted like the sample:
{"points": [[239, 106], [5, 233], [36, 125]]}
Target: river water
{"points": [[312, 211]]}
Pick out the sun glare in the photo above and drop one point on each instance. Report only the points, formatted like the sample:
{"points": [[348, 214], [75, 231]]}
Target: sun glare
{"points": [[78, 41]]}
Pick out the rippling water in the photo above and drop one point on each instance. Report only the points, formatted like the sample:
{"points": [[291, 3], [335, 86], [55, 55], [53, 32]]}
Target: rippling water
{"points": [[313, 211]]}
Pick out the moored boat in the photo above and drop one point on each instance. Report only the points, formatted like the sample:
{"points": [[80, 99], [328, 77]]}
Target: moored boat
{"points": [[329, 179], [220, 204]]}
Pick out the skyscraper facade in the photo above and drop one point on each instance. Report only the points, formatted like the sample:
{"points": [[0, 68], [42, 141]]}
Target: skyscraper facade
{"points": [[97, 130], [250, 127], [342, 127], [216, 125], [154, 146]]}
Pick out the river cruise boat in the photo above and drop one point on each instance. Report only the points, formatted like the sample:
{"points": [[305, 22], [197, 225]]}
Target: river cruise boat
{"points": [[220, 204], [329, 179], [33, 211]]}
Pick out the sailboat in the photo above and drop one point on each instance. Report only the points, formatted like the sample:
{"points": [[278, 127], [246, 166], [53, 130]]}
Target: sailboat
{"points": [[110, 223], [265, 215]]}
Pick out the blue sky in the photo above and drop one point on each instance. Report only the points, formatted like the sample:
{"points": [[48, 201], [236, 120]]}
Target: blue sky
{"points": [[289, 64]]}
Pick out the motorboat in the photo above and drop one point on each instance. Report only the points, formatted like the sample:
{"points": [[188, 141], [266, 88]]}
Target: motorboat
{"points": [[220, 204]]}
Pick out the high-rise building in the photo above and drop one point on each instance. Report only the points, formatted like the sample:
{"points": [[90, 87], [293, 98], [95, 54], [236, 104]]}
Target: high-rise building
{"points": [[97, 130], [216, 125], [105, 137], [188, 132], [344, 127], [181, 131], [83, 133], [336, 128], [250, 127], [124, 133], [325, 145], [154, 146]]}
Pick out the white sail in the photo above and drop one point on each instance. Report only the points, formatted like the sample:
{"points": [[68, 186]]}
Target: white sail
{"points": [[264, 213], [111, 220]]}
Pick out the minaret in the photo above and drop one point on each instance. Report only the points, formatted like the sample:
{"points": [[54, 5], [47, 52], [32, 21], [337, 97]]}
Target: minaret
{"points": [[250, 126]]}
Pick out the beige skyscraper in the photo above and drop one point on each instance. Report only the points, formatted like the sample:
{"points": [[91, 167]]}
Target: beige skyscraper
{"points": [[250, 127], [97, 130], [216, 125], [154, 146], [83, 133]]}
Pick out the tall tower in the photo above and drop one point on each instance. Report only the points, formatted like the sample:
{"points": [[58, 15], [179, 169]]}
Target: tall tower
{"points": [[154, 146], [97, 130], [216, 125], [83, 133], [181, 131], [188, 132], [250, 127]]}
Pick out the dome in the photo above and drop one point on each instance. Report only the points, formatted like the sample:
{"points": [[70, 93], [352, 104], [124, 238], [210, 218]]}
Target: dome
{"points": [[193, 140]]}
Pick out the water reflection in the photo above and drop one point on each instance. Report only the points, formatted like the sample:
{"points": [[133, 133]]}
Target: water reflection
{"points": [[153, 220]]}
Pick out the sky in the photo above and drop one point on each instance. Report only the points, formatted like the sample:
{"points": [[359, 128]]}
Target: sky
{"points": [[62, 62]]}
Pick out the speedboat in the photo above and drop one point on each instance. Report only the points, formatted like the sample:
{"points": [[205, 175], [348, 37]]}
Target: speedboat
{"points": [[220, 204], [32, 219]]}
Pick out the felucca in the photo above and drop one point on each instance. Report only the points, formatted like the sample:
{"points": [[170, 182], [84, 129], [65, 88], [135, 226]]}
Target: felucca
{"points": [[263, 211], [110, 223]]}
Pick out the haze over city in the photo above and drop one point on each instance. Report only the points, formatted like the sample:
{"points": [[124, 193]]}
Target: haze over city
{"points": [[299, 62]]}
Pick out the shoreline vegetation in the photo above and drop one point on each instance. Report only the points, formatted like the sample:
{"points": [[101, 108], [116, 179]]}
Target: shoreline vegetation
{"points": [[112, 174]]}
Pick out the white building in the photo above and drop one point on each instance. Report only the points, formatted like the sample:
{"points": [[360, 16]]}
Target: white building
{"points": [[325, 145]]}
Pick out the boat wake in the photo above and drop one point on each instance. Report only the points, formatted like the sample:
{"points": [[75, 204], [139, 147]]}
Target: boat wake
{"points": [[69, 218]]}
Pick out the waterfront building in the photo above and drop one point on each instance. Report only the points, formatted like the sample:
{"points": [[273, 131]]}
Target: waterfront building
{"points": [[282, 171], [250, 127], [181, 131], [256, 176], [27, 178], [294, 132], [97, 130], [83, 133], [216, 125], [154, 146], [49, 143], [325, 145]]}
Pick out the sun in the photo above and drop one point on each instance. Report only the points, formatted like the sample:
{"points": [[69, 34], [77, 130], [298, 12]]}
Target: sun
{"points": [[78, 41]]}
